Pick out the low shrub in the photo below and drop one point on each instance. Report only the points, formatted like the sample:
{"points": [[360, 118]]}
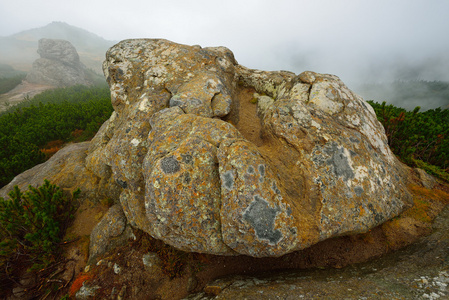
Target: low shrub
{"points": [[32, 226]]}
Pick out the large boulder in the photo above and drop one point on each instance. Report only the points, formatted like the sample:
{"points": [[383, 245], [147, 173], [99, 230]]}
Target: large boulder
{"points": [[59, 65], [216, 158]]}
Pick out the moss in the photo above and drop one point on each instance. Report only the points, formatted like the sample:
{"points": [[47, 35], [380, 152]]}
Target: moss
{"points": [[254, 100]]}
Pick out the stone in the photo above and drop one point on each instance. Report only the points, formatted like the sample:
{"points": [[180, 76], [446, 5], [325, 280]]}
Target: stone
{"points": [[86, 292], [66, 169], [427, 180], [110, 232], [178, 156], [192, 176], [59, 65]]}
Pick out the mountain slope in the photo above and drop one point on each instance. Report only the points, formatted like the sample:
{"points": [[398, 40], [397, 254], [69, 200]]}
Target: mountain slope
{"points": [[19, 50]]}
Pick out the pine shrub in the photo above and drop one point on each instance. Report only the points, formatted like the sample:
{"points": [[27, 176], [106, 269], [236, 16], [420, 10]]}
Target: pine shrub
{"points": [[32, 226]]}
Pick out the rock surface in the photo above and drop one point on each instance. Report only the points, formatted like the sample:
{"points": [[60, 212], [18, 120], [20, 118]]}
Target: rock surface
{"points": [[419, 271], [314, 165], [66, 169], [59, 65], [110, 232], [211, 157]]}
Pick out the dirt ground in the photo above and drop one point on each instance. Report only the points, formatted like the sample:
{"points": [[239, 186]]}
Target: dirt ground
{"points": [[23, 90]]}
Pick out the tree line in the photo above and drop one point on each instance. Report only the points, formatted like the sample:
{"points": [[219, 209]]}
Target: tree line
{"points": [[418, 138]]}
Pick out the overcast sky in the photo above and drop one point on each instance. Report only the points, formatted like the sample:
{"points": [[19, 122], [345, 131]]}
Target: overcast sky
{"points": [[340, 37]]}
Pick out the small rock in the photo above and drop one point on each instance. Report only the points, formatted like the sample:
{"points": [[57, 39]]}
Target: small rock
{"points": [[151, 259], [212, 290], [427, 180], [192, 283], [122, 293], [117, 269], [85, 292]]}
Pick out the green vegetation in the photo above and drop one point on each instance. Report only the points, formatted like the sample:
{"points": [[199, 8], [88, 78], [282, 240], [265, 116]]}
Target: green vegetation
{"points": [[7, 84], [418, 138], [35, 129], [32, 226], [6, 71]]}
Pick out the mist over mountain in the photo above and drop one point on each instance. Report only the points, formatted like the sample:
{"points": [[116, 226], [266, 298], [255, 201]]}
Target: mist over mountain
{"points": [[408, 94], [421, 80], [19, 50], [400, 80]]}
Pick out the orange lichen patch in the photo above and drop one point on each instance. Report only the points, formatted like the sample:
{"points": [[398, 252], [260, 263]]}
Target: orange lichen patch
{"points": [[79, 281], [249, 124], [434, 194], [426, 203], [415, 221]]}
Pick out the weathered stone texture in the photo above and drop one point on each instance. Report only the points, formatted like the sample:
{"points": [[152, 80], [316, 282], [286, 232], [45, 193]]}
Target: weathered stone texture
{"points": [[190, 175], [59, 65], [194, 181], [110, 232]]}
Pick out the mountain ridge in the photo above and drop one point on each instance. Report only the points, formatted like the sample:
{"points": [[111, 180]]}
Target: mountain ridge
{"points": [[19, 49]]}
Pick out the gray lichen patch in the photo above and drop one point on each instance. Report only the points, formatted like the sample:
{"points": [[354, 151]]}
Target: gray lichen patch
{"points": [[262, 173], [170, 165], [261, 217], [262, 170], [175, 101], [228, 180], [340, 162], [358, 191], [275, 188], [250, 170]]}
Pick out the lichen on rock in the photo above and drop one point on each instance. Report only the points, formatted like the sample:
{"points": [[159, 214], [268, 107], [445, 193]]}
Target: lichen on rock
{"points": [[192, 175], [192, 179]]}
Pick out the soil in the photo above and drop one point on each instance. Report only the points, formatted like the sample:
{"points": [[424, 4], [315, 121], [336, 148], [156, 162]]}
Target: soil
{"points": [[20, 92], [249, 124]]}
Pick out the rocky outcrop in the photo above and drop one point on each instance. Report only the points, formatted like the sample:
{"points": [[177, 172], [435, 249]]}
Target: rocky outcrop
{"points": [[209, 156], [204, 169], [59, 65]]}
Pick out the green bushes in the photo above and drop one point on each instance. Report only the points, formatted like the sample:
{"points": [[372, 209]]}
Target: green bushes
{"points": [[67, 114], [7, 84], [32, 225], [418, 138]]}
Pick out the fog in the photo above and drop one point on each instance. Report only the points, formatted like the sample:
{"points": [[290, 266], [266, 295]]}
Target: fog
{"points": [[360, 41]]}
